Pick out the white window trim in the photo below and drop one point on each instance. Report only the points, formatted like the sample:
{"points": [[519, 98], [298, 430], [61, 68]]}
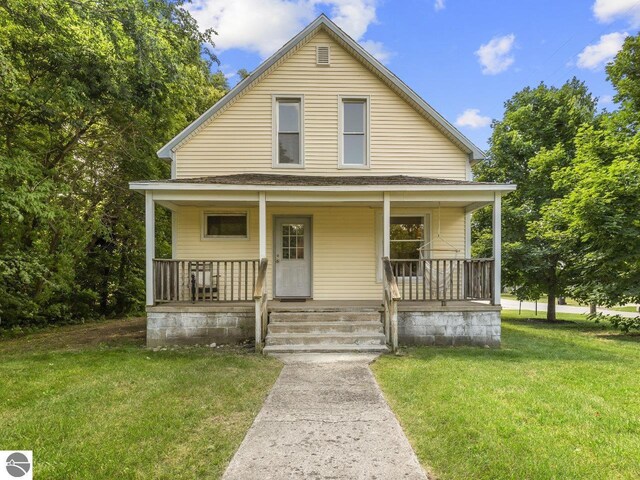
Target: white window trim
{"points": [[367, 131], [379, 233], [274, 116], [206, 237]]}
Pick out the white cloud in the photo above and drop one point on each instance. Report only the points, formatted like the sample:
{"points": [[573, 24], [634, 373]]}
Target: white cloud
{"points": [[596, 55], [439, 5], [610, 10], [263, 26], [353, 16], [495, 56], [605, 100], [378, 50], [471, 118]]}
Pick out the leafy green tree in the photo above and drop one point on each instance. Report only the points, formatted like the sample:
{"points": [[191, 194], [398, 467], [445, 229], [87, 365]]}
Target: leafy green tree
{"points": [[88, 91], [597, 222], [535, 138], [243, 73]]}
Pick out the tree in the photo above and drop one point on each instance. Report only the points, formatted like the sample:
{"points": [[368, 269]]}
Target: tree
{"points": [[243, 73], [535, 138], [597, 221], [88, 92]]}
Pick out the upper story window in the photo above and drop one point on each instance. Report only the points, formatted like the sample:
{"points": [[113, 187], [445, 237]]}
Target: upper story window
{"points": [[354, 132], [288, 114]]}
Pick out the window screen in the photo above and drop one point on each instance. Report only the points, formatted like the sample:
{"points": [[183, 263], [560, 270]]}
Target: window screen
{"points": [[226, 225]]}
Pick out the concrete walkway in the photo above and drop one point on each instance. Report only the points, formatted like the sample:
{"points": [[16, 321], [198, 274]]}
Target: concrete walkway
{"points": [[325, 418], [542, 307]]}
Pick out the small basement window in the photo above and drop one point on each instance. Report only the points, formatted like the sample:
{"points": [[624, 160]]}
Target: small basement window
{"points": [[225, 225]]}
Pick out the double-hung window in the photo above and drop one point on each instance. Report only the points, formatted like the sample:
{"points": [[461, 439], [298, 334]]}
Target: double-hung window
{"points": [[407, 235], [288, 132], [354, 134]]}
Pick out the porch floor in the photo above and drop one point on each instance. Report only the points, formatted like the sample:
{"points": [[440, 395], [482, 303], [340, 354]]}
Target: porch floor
{"points": [[325, 306]]}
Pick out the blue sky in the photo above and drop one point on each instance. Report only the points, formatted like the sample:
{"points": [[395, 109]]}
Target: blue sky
{"points": [[464, 57]]}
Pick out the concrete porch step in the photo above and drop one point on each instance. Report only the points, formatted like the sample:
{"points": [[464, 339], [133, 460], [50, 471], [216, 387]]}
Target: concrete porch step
{"points": [[358, 327], [325, 339], [335, 316], [325, 348]]}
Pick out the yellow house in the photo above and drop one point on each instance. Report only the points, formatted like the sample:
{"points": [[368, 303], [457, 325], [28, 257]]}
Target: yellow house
{"points": [[322, 205]]}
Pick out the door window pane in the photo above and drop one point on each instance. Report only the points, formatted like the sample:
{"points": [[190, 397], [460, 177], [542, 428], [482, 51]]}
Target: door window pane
{"points": [[293, 241]]}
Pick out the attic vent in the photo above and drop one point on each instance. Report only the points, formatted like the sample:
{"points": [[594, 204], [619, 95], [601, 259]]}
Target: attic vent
{"points": [[322, 55]]}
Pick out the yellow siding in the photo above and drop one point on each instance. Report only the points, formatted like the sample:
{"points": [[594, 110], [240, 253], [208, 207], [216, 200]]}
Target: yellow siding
{"points": [[239, 140], [346, 244]]}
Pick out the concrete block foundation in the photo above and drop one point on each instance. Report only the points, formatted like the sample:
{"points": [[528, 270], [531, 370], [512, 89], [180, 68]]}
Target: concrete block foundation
{"points": [[450, 327], [167, 325]]}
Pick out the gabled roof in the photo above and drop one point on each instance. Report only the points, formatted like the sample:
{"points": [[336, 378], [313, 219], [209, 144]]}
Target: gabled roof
{"points": [[361, 54]]}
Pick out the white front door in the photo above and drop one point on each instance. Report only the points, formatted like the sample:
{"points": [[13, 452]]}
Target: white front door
{"points": [[292, 256]]}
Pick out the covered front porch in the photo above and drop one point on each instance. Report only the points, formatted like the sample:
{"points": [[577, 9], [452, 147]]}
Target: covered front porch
{"points": [[317, 248]]}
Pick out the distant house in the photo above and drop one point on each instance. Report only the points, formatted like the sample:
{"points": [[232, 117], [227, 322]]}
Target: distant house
{"points": [[322, 205]]}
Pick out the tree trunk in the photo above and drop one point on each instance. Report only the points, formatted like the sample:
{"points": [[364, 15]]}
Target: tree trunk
{"points": [[592, 308], [551, 306]]}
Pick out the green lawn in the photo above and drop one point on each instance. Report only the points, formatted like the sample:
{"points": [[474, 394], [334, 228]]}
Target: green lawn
{"points": [[627, 308], [556, 401], [92, 403], [542, 300]]}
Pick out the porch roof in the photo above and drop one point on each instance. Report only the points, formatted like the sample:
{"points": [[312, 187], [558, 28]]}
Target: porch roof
{"points": [[260, 181]]}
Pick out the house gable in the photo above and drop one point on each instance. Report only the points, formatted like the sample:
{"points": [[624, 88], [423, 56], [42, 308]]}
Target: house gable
{"points": [[237, 136]]}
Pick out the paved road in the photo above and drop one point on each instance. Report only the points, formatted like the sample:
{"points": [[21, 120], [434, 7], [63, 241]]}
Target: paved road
{"points": [[325, 418], [542, 307]]}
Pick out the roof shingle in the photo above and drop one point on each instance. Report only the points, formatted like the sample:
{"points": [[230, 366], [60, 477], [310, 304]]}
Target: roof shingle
{"points": [[316, 181]]}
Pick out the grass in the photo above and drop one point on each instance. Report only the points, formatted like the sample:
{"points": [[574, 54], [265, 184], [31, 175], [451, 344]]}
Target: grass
{"points": [[627, 308], [556, 401], [570, 301], [92, 403]]}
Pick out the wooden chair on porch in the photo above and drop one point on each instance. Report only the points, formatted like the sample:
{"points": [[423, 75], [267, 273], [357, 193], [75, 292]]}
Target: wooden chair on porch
{"points": [[204, 281]]}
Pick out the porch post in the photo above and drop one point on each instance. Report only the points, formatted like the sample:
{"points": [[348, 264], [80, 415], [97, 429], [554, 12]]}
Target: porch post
{"points": [[386, 224], [497, 248], [150, 237], [262, 237], [467, 235]]}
